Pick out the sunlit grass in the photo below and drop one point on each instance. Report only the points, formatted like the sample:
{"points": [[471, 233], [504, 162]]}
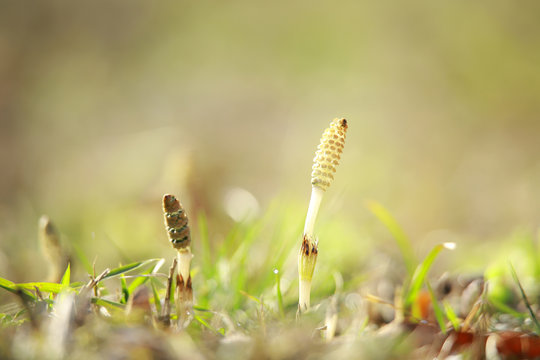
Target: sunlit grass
{"points": [[245, 287]]}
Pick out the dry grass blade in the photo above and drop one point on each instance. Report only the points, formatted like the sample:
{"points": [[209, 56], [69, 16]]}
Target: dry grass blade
{"points": [[166, 314], [52, 249], [93, 282]]}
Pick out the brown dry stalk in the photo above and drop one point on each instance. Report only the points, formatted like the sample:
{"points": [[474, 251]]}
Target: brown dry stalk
{"points": [[166, 311]]}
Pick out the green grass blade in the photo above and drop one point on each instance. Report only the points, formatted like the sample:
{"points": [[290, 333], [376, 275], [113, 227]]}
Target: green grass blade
{"points": [[42, 286], [157, 301], [206, 325], [278, 291], [8, 285], [138, 281], [123, 269], [129, 267], [525, 300], [451, 315], [507, 309], [125, 290], [143, 279], [107, 303], [66, 277], [201, 308], [16, 289], [398, 234], [251, 297], [171, 292], [439, 314], [422, 270], [158, 265]]}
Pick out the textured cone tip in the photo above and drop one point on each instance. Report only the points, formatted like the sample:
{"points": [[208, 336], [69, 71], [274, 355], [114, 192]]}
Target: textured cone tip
{"points": [[329, 153], [170, 203], [176, 222]]}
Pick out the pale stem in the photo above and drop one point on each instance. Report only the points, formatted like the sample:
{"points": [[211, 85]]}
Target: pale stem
{"points": [[303, 298], [314, 204], [184, 262], [184, 305]]}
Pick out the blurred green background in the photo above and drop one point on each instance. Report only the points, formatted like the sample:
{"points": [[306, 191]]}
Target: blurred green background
{"points": [[105, 106]]}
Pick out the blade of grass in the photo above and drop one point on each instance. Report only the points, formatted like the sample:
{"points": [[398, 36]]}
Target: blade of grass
{"points": [[172, 289], [451, 315], [66, 277], [76, 284], [129, 267], [439, 315], [125, 291], [140, 280], [107, 303], [157, 301], [524, 296], [19, 313], [158, 265], [42, 286], [278, 291], [507, 309], [17, 290], [422, 270], [206, 325], [251, 297], [398, 234]]}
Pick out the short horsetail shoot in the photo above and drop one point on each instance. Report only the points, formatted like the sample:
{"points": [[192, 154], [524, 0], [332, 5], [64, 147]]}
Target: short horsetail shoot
{"points": [[324, 166], [176, 222]]}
